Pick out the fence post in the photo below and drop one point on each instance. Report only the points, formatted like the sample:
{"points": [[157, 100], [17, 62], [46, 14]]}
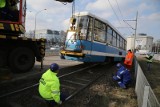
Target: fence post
{"points": [[145, 97]]}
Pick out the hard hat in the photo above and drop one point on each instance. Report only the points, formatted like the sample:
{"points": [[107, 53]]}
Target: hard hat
{"points": [[54, 67], [118, 65]]}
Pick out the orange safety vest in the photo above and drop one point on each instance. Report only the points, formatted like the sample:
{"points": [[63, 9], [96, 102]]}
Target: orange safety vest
{"points": [[128, 58]]}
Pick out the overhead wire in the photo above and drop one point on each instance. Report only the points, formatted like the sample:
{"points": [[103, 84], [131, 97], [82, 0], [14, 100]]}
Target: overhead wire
{"points": [[114, 11], [119, 9], [123, 17]]}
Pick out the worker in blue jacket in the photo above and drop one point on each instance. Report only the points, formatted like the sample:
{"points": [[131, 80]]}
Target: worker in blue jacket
{"points": [[123, 76]]}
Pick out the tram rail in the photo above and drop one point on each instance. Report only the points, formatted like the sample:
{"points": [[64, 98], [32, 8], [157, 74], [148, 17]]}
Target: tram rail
{"points": [[20, 91]]}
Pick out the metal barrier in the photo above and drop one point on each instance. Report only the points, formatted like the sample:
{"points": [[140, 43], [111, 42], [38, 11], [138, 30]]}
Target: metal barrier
{"points": [[145, 94]]}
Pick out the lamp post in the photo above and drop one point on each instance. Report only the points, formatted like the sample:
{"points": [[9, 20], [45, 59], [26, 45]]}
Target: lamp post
{"points": [[36, 20]]}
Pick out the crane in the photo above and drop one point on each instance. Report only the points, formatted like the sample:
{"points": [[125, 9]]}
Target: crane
{"points": [[17, 52]]}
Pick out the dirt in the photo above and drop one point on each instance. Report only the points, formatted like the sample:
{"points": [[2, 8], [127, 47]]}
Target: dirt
{"points": [[105, 93]]}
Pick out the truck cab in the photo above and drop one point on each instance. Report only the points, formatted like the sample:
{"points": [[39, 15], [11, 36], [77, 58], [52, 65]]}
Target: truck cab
{"points": [[12, 17], [17, 52]]}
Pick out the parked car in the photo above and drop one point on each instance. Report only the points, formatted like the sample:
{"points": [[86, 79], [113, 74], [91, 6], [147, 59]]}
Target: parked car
{"points": [[55, 47]]}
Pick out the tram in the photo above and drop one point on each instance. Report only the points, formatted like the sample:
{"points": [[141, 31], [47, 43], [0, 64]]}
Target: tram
{"points": [[92, 39]]}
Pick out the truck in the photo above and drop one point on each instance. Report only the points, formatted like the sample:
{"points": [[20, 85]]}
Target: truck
{"points": [[17, 52]]}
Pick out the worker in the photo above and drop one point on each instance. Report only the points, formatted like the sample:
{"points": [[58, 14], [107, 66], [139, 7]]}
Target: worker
{"points": [[2, 3], [2, 9], [149, 58], [13, 13], [49, 87], [123, 76], [12, 5], [129, 59]]}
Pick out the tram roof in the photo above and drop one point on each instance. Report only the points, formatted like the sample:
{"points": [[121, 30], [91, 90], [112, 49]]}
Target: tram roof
{"points": [[101, 19]]}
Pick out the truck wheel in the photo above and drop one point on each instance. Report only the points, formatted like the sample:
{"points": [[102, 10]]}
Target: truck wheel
{"points": [[21, 59]]}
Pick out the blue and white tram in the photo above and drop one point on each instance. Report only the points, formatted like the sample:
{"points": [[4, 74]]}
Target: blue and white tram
{"points": [[92, 39]]}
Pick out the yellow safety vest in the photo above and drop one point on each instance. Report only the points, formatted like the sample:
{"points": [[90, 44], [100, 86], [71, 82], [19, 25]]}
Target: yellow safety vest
{"points": [[2, 3], [49, 86]]}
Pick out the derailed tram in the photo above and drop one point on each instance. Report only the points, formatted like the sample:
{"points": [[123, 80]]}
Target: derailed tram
{"points": [[92, 39]]}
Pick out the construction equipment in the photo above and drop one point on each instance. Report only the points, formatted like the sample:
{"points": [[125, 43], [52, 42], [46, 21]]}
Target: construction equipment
{"points": [[18, 52]]}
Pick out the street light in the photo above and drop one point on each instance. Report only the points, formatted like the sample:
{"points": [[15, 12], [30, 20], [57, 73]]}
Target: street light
{"points": [[35, 21]]}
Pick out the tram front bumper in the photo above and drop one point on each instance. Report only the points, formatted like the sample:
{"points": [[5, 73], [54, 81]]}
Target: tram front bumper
{"points": [[69, 53]]}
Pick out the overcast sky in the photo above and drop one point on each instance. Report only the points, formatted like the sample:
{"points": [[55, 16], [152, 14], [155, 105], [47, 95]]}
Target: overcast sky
{"points": [[57, 15]]}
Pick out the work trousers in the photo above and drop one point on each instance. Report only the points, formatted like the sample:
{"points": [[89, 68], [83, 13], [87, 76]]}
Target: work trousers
{"points": [[52, 103]]}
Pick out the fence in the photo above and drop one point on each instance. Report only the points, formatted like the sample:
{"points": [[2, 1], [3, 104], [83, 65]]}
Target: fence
{"points": [[145, 95]]}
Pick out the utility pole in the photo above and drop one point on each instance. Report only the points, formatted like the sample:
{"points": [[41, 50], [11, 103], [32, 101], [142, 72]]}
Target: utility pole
{"points": [[135, 29], [35, 21], [135, 32]]}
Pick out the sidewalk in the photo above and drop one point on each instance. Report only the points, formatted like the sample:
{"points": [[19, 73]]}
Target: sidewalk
{"points": [[153, 76]]}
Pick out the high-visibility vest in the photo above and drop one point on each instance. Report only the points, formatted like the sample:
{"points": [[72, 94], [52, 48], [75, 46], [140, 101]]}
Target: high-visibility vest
{"points": [[2, 3], [129, 58], [149, 58], [49, 86]]}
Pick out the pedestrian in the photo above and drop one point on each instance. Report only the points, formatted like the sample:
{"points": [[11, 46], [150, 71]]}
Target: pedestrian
{"points": [[49, 87], [149, 58], [128, 60], [123, 76]]}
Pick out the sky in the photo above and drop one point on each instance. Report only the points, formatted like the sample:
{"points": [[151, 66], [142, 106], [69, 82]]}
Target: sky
{"points": [[120, 13]]}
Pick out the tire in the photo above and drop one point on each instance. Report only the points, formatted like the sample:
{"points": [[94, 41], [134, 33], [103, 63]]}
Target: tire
{"points": [[21, 60]]}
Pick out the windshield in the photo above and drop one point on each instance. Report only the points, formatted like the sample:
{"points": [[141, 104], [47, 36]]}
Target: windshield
{"points": [[82, 22], [81, 27], [71, 35]]}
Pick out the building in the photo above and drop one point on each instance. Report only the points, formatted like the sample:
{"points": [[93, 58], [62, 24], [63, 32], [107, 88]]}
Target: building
{"points": [[53, 37], [142, 42], [50, 35]]}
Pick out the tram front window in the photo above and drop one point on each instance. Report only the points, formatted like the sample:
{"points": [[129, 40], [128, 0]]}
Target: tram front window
{"points": [[10, 11], [71, 35], [81, 26]]}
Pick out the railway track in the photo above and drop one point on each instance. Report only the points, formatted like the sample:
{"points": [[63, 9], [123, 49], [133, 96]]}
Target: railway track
{"points": [[74, 82]]}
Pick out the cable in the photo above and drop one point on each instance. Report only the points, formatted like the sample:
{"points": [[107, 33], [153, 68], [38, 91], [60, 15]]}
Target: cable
{"points": [[73, 8], [122, 16], [119, 9], [114, 12]]}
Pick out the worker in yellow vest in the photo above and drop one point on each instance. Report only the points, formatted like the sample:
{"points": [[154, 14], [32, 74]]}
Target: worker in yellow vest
{"points": [[2, 3], [49, 87], [149, 58]]}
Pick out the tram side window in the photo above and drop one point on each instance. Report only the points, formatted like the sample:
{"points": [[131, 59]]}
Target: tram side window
{"points": [[89, 33], [10, 11], [114, 38], [99, 31], [121, 43], [83, 23], [109, 35], [118, 40], [125, 44]]}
